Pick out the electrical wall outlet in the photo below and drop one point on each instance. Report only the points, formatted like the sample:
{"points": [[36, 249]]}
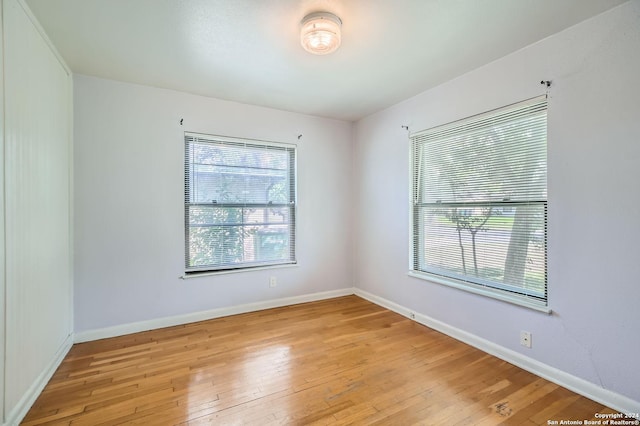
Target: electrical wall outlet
{"points": [[273, 282], [525, 339]]}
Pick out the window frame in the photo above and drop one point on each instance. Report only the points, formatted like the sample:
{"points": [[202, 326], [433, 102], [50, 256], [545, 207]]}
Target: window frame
{"points": [[292, 205], [416, 246]]}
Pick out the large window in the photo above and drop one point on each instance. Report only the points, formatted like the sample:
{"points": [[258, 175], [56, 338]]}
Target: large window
{"points": [[240, 203], [480, 203]]}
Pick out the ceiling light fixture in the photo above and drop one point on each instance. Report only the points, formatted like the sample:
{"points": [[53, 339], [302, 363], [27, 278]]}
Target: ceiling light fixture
{"points": [[320, 33]]}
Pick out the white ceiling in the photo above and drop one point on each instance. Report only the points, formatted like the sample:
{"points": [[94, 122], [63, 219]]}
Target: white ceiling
{"points": [[249, 50]]}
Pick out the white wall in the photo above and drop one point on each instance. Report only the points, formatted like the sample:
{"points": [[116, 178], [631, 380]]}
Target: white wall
{"points": [[37, 145], [594, 201], [129, 203]]}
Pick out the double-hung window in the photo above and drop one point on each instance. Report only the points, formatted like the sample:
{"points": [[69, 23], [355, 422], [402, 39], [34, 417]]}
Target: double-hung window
{"points": [[240, 203], [479, 203]]}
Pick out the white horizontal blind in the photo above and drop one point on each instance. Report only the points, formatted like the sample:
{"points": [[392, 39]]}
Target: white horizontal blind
{"points": [[240, 203], [480, 201]]}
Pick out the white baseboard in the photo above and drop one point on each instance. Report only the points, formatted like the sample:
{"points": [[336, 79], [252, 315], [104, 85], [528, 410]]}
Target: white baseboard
{"points": [[15, 416], [136, 327], [590, 390]]}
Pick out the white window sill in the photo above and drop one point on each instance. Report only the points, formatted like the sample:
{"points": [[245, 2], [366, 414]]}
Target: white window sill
{"points": [[193, 275], [483, 291]]}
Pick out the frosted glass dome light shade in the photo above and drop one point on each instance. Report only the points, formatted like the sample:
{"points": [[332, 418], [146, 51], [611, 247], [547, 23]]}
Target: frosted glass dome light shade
{"points": [[320, 33]]}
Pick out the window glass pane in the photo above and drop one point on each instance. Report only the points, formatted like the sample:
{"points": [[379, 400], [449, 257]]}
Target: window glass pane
{"points": [[239, 174], [487, 245], [507, 161]]}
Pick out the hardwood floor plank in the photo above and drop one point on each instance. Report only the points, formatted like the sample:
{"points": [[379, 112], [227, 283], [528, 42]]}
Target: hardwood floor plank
{"points": [[340, 361]]}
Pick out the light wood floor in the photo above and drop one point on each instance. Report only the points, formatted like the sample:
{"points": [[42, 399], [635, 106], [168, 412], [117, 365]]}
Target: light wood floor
{"points": [[339, 361]]}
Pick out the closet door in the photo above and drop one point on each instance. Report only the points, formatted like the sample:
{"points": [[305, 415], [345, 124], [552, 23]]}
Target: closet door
{"points": [[38, 278]]}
